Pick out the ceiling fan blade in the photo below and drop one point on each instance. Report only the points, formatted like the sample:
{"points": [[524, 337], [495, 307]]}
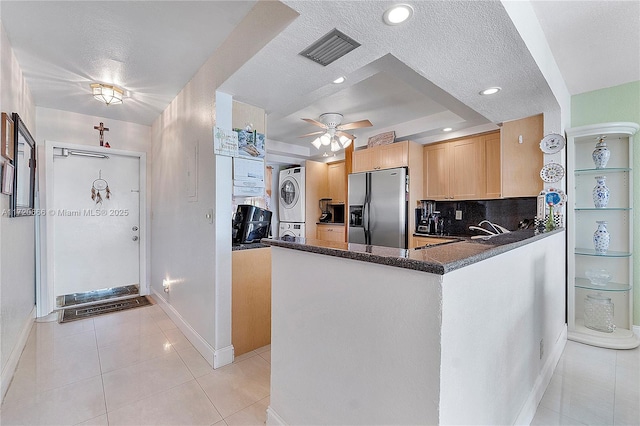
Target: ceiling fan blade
{"points": [[345, 134], [312, 133], [314, 122], [355, 125]]}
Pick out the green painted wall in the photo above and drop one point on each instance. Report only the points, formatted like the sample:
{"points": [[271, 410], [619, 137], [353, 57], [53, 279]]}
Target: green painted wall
{"points": [[618, 103]]}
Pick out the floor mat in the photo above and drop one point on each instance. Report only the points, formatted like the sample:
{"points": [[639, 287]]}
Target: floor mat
{"points": [[96, 295], [73, 314]]}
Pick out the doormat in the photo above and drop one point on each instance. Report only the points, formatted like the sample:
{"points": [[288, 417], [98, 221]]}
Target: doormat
{"points": [[96, 295], [73, 314]]}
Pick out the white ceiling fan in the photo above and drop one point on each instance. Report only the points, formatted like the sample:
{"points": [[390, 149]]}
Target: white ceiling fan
{"points": [[334, 134]]}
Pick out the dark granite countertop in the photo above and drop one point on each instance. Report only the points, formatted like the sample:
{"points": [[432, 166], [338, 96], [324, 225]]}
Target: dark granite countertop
{"points": [[248, 246], [330, 223], [436, 259]]}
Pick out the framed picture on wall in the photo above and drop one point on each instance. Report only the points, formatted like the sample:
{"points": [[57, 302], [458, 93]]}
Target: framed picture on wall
{"points": [[7, 137], [7, 178]]}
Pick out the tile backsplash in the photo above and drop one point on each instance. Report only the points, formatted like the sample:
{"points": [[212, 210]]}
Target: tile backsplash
{"points": [[507, 213]]}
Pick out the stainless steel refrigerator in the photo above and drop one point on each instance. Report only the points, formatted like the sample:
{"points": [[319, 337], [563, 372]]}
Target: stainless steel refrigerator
{"points": [[378, 207]]}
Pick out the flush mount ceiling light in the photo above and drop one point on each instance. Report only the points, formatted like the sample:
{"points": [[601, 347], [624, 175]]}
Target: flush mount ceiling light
{"points": [[447, 129], [490, 91], [339, 80], [110, 95], [397, 14]]}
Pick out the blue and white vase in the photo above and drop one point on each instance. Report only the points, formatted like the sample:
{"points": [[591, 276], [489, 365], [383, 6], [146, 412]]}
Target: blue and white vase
{"points": [[600, 193], [601, 154], [601, 237]]}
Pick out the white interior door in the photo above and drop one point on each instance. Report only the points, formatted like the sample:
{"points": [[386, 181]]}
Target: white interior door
{"points": [[96, 235]]}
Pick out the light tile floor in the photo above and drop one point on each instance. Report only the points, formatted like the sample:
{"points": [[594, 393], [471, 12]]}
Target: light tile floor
{"points": [[131, 368], [593, 386], [136, 368]]}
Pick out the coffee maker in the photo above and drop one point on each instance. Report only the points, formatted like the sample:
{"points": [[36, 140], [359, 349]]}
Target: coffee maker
{"points": [[324, 208], [427, 218]]}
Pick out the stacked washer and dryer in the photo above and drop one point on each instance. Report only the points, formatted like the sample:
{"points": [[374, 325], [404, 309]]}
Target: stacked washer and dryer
{"points": [[292, 202]]}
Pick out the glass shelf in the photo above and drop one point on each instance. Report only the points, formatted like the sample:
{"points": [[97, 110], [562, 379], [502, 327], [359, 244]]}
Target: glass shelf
{"points": [[586, 284], [610, 253], [601, 208], [605, 170]]}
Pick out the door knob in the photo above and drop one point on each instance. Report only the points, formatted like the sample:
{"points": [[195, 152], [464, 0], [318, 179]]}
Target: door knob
{"points": [[135, 238], [135, 228]]}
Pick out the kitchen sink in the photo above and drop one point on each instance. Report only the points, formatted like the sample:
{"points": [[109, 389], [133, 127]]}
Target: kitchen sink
{"points": [[436, 241]]}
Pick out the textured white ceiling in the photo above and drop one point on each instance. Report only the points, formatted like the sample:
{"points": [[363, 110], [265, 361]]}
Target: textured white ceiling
{"points": [[149, 48], [414, 78], [596, 44]]}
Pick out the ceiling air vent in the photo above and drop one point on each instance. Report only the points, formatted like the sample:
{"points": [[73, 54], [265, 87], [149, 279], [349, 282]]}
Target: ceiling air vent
{"points": [[332, 46]]}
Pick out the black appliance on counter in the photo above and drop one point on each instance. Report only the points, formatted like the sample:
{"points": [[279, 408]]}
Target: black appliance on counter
{"points": [[428, 220], [250, 224]]}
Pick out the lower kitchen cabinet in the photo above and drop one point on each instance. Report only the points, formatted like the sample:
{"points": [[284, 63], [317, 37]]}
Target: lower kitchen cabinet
{"points": [[331, 233], [250, 299]]}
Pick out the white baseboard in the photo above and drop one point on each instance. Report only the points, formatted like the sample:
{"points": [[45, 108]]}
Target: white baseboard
{"points": [[12, 363], [222, 357], [215, 358], [528, 411], [273, 419]]}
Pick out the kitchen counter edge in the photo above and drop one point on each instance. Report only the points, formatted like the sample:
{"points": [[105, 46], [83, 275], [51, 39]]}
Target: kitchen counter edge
{"points": [[437, 259]]}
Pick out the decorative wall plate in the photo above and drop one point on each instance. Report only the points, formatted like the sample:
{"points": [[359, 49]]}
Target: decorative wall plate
{"points": [[552, 172], [556, 197], [552, 143]]}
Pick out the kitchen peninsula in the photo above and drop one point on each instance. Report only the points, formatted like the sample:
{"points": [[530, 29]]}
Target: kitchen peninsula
{"points": [[464, 332]]}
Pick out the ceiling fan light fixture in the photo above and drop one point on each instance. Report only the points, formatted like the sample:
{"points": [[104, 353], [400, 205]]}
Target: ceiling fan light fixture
{"points": [[397, 14], [335, 146], [110, 95], [316, 142], [490, 91], [325, 139]]}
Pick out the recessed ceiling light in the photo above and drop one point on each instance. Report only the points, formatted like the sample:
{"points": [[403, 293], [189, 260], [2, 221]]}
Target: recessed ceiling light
{"points": [[490, 91], [397, 14], [339, 80], [447, 129]]}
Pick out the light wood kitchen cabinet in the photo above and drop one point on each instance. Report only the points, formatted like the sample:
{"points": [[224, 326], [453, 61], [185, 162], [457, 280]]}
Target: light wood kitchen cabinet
{"points": [[381, 157], [337, 182], [331, 233], [493, 169], [463, 169], [436, 171], [522, 157], [250, 299]]}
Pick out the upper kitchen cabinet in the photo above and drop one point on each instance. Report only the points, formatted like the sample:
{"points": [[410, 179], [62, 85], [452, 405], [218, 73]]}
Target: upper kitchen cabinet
{"points": [[463, 169], [381, 157], [337, 182], [522, 158]]}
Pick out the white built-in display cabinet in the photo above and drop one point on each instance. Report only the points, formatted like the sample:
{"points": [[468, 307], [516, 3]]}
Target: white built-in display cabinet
{"points": [[600, 278]]}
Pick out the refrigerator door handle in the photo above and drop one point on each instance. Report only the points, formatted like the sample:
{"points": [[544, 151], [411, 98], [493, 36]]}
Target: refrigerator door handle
{"points": [[366, 212]]}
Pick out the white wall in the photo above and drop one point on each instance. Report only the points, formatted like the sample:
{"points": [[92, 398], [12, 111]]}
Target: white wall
{"points": [[17, 235], [493, 319], [186, 247], [363, 350]]}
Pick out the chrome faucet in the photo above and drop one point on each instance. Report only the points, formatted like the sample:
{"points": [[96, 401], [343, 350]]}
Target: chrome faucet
{"points": [[497, 230]]}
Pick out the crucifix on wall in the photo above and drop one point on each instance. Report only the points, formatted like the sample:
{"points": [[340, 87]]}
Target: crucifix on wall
{"points": [[102, 129]]}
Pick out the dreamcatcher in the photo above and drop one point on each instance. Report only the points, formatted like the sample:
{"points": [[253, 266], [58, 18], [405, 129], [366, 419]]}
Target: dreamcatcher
{"points": [[100, 185]]}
